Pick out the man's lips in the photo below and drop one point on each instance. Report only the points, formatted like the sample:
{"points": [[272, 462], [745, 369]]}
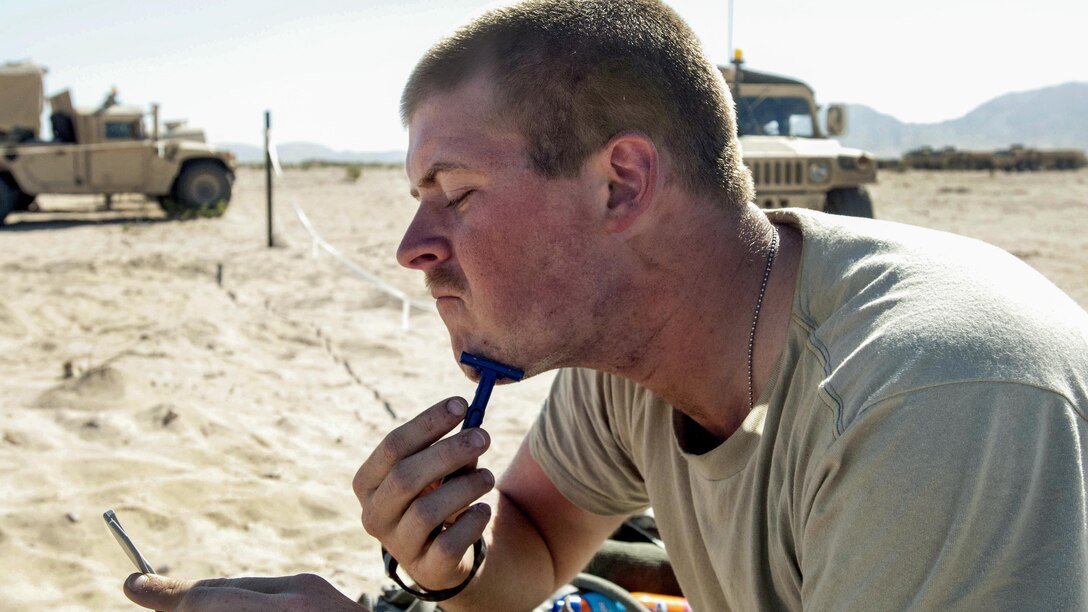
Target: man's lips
{"points": [[448, 305], [444, 291], [446, 295]]}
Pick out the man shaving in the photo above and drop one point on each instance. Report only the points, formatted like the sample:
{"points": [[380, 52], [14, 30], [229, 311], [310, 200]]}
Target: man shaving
{"points": [[824, 413]]}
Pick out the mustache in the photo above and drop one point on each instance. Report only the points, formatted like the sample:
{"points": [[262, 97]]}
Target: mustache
{"points": [[443, 280]]}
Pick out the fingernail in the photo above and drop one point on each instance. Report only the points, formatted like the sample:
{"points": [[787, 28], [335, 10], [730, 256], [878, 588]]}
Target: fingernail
{"points": [[456, 406], [140, 582], [489, 477], [476, 438], [483, 509]]}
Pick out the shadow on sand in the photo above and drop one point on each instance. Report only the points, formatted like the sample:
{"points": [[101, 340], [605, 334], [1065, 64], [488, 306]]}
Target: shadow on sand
{"points": [[56, 218]]}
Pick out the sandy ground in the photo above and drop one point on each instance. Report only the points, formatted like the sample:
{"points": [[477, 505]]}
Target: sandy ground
{"points": [[219, 395]]}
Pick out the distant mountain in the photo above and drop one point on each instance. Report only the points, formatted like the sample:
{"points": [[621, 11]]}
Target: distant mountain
{"points": [[1051, 117], [298, 152]]}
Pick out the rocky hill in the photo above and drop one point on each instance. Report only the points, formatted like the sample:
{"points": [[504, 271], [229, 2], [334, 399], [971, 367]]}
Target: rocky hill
{"points": [[298, 152], [1050, 117]]}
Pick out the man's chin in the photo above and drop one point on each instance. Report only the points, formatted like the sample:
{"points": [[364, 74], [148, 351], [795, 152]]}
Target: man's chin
{"points": [[472, 374], [452, 312], [482, 350]]}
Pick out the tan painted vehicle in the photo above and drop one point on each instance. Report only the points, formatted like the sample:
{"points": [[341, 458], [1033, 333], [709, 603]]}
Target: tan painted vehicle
{"points": [[793, 162], [105, 150], [1016, 158], [1019, 158], [948, 158]]}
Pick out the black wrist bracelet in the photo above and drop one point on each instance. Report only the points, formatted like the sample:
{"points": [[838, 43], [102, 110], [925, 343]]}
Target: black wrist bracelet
{"points": [[479, 551]]}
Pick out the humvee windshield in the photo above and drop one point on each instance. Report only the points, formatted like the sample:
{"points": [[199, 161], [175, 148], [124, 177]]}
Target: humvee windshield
{"points": [[762, 116], [120, 131]]}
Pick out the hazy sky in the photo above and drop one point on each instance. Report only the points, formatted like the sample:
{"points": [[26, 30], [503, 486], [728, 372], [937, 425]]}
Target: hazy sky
{"points": [[331, 70]]}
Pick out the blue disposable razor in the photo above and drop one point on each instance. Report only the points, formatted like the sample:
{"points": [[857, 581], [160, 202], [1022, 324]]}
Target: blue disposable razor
{"points": [[490, 372]]}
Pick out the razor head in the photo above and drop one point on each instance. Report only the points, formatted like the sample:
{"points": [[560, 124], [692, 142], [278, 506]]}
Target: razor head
{"points": [[126, 543], [483, 365]]}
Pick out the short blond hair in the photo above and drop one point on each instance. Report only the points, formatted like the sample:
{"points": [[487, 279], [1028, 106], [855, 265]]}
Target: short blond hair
{"points": [[571, 74]]}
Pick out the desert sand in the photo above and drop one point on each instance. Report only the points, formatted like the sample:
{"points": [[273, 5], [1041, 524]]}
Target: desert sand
{"points": [[219, 395]]}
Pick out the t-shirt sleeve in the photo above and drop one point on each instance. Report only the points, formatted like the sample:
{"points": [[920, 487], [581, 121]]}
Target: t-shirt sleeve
{"points": [[927, 502], [580, 441]]}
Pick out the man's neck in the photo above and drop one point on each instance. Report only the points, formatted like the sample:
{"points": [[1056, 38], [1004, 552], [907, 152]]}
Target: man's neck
{"points": [[697, 358]]}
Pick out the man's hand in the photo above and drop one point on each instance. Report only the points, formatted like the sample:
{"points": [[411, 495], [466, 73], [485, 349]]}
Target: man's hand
{"points": [[296, 593], [403, 503]]}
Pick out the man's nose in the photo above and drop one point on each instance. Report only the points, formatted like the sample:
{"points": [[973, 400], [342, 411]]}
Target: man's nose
{"points": [[423, 246]]}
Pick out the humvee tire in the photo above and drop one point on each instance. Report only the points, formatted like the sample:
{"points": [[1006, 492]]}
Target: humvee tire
{"points": [[9, 197], [202, 185], [850, 201]]}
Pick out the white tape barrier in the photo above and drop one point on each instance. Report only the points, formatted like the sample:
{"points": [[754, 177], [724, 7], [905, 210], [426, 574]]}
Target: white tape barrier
{"points": [[317, 242]]}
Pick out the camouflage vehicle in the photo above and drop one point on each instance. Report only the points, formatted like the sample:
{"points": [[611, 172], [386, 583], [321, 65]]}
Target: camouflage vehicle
{"points": [[948, 158], [792, 161], [1016, 158], [105, 150], [1025, 159]]}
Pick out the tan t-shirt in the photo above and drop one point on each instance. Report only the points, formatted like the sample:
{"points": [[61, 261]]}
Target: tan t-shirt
{"points": [[922, 444]]}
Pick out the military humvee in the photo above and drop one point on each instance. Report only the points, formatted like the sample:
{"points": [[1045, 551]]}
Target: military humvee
{"points": [[792, 161], [105, 150], [1016, 158]]}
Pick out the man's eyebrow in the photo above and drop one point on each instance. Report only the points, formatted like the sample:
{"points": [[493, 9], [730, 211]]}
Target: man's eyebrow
{"points": [[428, 179]]}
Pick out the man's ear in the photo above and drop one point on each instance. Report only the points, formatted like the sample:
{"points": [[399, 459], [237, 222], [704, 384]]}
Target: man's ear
{"points": [[632, 170]]}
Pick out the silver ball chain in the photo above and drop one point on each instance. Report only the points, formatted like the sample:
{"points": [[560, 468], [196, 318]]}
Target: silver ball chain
{"points": [[755, 319]]}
